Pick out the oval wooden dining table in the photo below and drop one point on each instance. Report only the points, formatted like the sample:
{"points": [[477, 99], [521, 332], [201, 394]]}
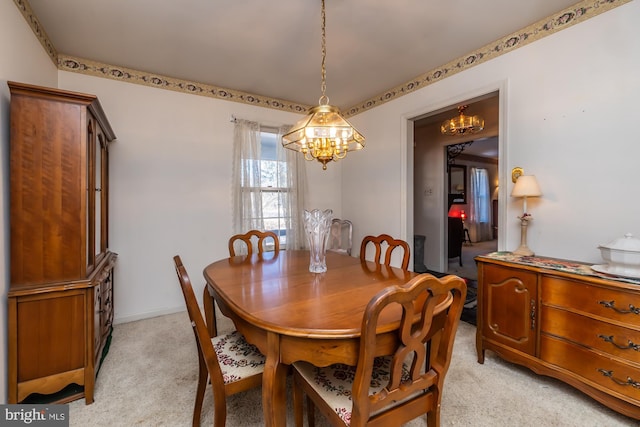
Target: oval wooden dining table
{"points": [[291, 314]]}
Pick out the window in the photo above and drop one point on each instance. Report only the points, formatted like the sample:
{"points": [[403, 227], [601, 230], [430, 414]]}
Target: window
{"points": [[481, 195], [272, 185], [479, 222], [268, 184]]}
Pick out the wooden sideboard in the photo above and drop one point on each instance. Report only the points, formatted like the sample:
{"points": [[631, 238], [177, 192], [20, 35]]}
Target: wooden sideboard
{"points": [[561, 319], [60, 299]]}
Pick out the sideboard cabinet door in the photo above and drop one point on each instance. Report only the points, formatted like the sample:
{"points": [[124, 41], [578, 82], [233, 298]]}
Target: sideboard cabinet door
{"points": [[508, 308]]}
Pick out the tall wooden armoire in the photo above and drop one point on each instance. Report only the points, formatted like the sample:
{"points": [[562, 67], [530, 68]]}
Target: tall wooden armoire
{"points": [[60, 299]]}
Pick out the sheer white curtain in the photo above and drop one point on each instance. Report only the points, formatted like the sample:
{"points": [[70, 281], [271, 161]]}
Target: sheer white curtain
{"points": [[247, 186], [479, 220], [296, 181], [247, 195]]}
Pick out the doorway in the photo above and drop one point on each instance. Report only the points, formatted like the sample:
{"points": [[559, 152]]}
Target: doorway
{"points": [[432, 188], [472, 227]]}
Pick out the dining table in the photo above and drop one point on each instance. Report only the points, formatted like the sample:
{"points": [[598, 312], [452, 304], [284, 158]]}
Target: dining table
{"points": [[292, 315]]}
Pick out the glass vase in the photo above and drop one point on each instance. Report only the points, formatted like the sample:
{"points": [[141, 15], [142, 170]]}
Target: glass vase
{"points": [[317, 225]]}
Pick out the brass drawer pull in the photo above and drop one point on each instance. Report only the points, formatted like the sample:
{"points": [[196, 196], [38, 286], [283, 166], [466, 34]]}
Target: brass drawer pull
{"points": [[611, 305], [630, 346], [629, 381], [532, 314]]}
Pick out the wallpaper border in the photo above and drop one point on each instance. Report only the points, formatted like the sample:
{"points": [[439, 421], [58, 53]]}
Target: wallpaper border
{"points": [[568, 17], [564, 19]]}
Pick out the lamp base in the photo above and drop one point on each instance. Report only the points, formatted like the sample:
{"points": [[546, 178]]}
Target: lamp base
{"points": [[523, 250]]}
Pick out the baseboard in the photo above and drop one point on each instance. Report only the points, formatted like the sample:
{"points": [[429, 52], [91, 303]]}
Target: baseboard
{"points": [[148, 314]]}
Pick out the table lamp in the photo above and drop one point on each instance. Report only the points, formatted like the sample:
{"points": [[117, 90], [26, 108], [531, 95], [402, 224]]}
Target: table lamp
{"points": [[526, 186], [456, 211]]}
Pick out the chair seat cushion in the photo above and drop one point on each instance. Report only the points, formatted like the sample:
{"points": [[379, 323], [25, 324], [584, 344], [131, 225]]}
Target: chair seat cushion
{"points": [[334, 383], [238, 359]]}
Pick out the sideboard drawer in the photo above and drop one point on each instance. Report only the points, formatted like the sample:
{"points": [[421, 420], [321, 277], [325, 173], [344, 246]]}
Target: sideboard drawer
{"points": [[612, 374], [608, 303], [615, 340]]}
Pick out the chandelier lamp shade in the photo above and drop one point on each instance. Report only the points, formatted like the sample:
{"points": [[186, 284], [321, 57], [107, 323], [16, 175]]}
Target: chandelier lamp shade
{"points": [[323, 135], [462, 124]]}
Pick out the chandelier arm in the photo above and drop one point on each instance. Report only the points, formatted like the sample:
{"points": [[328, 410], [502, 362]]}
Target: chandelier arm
{"points": [[308, 156], [340, 154]]}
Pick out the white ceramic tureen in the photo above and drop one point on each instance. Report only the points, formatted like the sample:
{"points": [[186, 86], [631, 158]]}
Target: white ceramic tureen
{"points": [[622, 256]]}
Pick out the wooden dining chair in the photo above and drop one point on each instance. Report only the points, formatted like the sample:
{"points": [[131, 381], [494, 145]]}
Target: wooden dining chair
{"points": [[341, 236], [388, 244], [390, 390], [254, 239], [230, 363], [248, 241]]}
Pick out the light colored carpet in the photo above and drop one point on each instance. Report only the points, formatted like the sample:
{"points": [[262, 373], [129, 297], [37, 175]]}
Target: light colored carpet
{"points": [[149, 379]]}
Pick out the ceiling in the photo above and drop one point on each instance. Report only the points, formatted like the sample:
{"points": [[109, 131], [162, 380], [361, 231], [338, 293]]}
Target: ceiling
{"points": [[485, 147], [273, 48]]}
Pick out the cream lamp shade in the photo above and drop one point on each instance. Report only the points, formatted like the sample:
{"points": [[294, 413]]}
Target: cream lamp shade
{"points": [[526, 186]]}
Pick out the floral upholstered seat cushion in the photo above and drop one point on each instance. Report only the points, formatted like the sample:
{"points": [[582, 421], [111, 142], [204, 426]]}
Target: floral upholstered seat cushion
{"points": [[238, 359], [334, 383]]}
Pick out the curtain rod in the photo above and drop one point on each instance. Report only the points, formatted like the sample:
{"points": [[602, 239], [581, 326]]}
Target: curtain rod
{"points": [[266, 127]]}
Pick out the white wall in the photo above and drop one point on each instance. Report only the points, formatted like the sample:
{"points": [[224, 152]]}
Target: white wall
{"points": [[170, 186], [569, 116], [22, 59]]}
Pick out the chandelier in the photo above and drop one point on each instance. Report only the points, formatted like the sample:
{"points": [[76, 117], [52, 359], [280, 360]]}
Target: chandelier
{"points": [[323, 135], [462, 125]]}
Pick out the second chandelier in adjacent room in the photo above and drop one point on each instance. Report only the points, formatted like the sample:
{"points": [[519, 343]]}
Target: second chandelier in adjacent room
{"points": [[462, 124]]}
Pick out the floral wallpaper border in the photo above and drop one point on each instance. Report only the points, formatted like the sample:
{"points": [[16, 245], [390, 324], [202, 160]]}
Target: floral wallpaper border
{"points": [[566, 18], [84, 66]]}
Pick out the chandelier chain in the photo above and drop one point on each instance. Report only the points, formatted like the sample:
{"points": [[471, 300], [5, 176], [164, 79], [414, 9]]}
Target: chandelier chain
{"points": [[323, 135], [324, 100]]}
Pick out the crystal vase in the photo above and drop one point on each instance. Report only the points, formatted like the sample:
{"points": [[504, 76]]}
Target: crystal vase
{"points": [[317, 225]]}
